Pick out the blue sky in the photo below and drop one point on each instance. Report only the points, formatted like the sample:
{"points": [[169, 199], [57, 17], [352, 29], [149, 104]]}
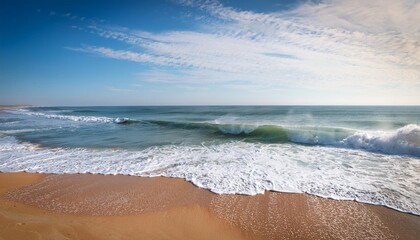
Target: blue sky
{"points": [[189, 52]]}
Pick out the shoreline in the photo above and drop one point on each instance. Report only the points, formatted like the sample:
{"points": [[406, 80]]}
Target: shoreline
{"points": [[126, 206], [3, 107], [211, 192]]}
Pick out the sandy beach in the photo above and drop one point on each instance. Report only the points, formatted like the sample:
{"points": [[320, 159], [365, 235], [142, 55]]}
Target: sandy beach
{"points": [[210, 120], [87, 206]]}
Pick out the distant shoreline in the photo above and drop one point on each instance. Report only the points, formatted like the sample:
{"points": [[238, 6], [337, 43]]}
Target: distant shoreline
{"points": [[214, 105], [13, 106]]}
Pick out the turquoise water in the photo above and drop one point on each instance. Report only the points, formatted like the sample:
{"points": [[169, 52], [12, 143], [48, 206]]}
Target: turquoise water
{"points": [[151, 126], [368, 154]]}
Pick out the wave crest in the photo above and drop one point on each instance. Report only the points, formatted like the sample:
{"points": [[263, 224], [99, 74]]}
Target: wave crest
{"points": [[74, 118], [405, 140]]}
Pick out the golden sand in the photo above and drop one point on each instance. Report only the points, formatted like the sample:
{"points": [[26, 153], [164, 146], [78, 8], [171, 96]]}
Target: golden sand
{"points": [[86, 206]]}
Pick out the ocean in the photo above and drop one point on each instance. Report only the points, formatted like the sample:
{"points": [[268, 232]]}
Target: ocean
{"points": [[369, 154]]}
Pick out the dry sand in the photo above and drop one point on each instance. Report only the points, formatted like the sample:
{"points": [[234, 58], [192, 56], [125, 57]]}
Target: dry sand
{"points": [[86, 206]]}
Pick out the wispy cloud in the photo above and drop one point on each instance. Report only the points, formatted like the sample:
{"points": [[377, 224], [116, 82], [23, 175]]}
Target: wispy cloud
{"points": [[124, 90], [366, 16], [334, 43]]}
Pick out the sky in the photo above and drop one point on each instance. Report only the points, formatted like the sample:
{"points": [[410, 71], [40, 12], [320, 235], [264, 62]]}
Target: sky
{"points": [[208, 52]]}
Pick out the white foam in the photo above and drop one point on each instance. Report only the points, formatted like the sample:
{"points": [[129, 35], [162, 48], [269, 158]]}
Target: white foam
{"points": [[239, 167], [405, 140], [14, 131], [63, 117]]}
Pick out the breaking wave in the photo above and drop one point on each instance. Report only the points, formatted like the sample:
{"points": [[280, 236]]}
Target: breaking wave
{"points": [[73, 118], [405, 140], [402, 141]]}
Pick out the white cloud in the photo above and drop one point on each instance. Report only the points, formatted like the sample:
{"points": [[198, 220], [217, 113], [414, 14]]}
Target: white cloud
{"points": [[336, 43], [368, 16]]}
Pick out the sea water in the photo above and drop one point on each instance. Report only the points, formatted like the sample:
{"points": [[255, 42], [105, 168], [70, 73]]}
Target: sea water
{"points": [[368, 154]]}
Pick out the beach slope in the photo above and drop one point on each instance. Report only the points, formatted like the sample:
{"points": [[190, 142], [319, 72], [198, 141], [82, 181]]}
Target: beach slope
{"points": [[87, 206]]}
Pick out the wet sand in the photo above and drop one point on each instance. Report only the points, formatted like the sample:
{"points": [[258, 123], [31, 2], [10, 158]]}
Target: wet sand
{"points": [[86, 206]]}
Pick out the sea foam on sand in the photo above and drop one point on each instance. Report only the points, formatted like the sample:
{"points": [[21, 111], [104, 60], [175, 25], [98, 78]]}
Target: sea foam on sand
{"points": [[240, 167]]}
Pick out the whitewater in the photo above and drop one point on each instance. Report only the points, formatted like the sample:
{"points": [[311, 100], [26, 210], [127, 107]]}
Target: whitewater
{"points": [[366, 154]]}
